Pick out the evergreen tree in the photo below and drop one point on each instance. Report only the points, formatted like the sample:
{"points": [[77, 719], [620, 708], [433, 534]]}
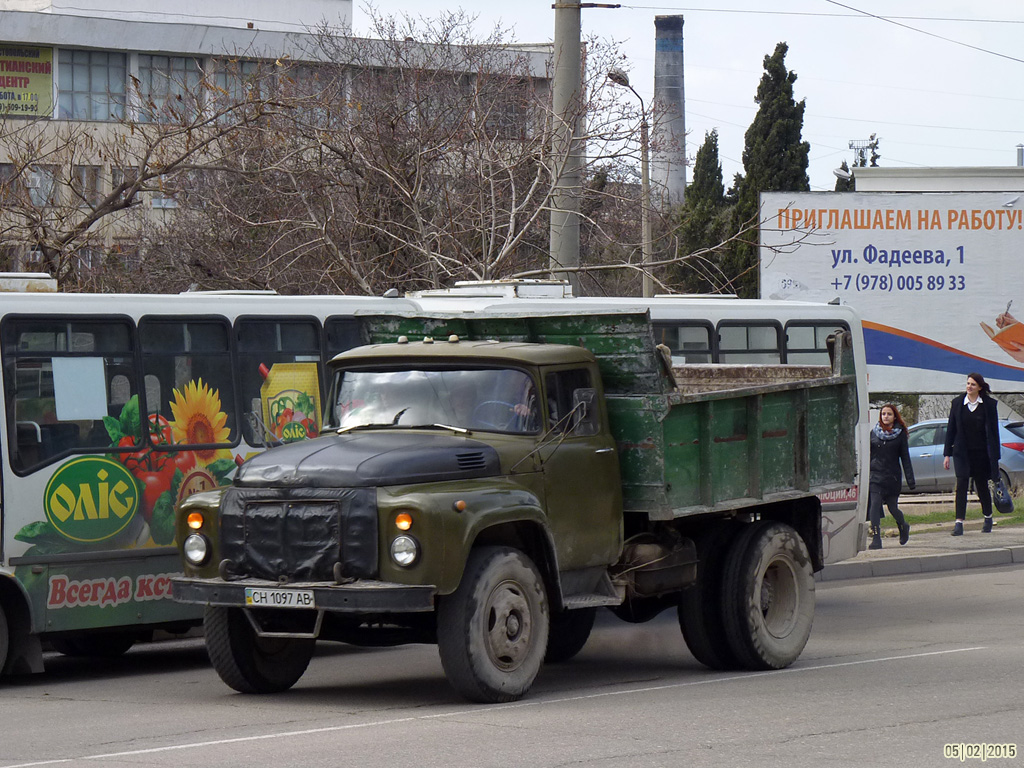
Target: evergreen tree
{"points": [[775, 160], [703, 222], [844, 184]]}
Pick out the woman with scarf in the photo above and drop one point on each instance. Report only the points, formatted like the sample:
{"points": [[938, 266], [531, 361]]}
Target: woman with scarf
{"points": [[889, 449]]}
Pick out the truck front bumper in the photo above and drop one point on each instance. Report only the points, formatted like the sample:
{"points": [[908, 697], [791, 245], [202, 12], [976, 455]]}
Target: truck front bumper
{"points": [[361, 596]]}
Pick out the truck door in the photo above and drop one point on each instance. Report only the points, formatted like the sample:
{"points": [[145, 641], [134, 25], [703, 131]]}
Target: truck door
{"points": [[583, 493]]}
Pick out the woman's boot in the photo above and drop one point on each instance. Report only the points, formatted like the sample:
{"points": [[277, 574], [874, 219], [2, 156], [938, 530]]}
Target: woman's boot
{"points": [[876, 538], [901, 525]]}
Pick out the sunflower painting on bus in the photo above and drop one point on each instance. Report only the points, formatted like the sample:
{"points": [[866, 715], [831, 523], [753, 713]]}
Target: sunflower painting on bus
{"points": [[165, 476]]}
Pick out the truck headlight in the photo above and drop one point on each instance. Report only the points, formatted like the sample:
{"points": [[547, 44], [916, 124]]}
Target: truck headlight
{"points": [[405, 550], [196, 549]]}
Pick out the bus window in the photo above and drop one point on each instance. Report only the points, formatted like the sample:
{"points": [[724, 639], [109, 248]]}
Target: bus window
{"points": [[690, 343], [280, 378], [342, 333], [66, 376], [749, 343], [187, 364], [806, 342]]}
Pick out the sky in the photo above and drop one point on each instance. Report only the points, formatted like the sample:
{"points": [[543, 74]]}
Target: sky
{"points": [[937, 82]]}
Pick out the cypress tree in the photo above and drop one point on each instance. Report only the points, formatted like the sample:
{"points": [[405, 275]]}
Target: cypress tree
{"points": [[774, 160]]}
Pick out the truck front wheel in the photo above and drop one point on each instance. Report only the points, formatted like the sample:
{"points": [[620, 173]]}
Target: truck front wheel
{"points": [[768, 596], [492, 632], [250, 663]]}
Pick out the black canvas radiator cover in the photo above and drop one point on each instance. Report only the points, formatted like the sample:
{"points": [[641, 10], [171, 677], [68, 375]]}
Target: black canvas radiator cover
{"points": [[299, 534]]}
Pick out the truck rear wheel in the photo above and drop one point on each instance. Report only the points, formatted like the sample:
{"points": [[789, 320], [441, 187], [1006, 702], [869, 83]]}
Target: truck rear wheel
{"points": [[768, 596], [700, 604], [5, 638], [492, 632], [250, 663], [568, 632]]}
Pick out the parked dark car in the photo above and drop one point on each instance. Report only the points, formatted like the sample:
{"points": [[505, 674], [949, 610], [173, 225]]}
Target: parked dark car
{"points": [[927, 439]]}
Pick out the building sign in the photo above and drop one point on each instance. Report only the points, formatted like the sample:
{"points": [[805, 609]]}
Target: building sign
{"points": [[935, 278], [26, 81]]}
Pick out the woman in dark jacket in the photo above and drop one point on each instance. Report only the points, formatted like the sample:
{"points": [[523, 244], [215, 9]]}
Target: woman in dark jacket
{"points": [[972, 440], [889, 449]]}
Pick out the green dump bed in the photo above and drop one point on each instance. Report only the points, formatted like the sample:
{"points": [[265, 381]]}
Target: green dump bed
{"points": [[694, 439]]}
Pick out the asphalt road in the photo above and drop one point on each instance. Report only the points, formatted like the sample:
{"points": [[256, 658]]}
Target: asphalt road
{"points": [[896, 669]]}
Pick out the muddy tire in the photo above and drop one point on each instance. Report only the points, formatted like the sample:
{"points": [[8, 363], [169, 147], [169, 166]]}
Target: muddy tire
{"points": [[567, 634], [768, 596], [100, 645], [5, 638], [700, 604], [492, 632], [249, 663]]}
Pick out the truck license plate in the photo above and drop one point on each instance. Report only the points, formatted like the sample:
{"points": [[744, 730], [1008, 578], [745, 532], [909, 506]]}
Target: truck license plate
{"points": [[279, 598]]}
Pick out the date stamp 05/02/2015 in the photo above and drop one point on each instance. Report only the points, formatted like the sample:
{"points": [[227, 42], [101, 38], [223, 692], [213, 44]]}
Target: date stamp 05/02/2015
{"points": [[983, 751]]}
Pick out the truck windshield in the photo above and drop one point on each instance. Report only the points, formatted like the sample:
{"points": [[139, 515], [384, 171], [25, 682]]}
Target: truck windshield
{"points": [[485, 399]]}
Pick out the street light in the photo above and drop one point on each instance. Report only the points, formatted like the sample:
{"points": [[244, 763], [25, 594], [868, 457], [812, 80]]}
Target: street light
{"points": [[618, 77]]}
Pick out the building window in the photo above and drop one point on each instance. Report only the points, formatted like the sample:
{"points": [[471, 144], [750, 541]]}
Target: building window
{"points": [[234, 81], [122, 179], [41, 182], [169, 87], [85, 185], [163, 195], [88, 259], [91, 85]]}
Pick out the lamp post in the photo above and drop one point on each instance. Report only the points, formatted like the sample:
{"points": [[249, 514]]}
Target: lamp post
{"points": [[619, 77]]}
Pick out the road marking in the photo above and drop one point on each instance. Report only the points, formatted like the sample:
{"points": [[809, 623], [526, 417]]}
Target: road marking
{"points": [[497, 707]]}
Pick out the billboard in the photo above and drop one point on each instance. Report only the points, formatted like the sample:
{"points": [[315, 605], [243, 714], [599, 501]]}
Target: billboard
{"points": [[26, 80], [937, 278]]}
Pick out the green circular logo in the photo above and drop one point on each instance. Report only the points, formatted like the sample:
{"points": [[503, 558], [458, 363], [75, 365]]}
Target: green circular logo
{"points": [[91, 499], [293, 431]]}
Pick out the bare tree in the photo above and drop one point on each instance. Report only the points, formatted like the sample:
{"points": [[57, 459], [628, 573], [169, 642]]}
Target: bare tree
{"points": [[69, 185], [411, 159]]}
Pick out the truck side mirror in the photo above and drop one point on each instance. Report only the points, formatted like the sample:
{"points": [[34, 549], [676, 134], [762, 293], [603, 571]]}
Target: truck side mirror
{"points": [[584, 410]]}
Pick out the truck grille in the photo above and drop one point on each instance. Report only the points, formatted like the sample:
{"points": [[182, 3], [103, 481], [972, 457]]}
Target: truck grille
{"points": [[299, 534]]}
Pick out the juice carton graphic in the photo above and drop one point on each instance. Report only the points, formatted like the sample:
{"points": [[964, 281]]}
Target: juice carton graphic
{"points": [[290, 397]]}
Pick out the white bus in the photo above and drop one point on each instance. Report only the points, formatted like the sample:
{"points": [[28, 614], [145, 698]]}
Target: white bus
{"points": [[713, 329], [116, 407]]}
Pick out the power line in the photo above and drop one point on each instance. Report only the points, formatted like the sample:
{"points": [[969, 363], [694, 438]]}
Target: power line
{"points": [[924, 32], [858, 14]]}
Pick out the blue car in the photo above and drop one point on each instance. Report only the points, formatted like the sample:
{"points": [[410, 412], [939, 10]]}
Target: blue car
{"points": [[927, 439]]}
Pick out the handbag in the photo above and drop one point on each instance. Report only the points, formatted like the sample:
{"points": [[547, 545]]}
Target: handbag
{"points": [[1001, 498]]}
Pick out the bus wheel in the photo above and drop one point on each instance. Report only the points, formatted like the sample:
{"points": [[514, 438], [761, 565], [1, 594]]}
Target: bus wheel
{"points": [[5, 640], [700, 611], [768, 597], [250, 663], [99, 645], [492, 632], [568, 633]]}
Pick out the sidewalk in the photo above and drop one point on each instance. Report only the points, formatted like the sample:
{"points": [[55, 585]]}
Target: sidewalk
{"points": [[931, 549]]}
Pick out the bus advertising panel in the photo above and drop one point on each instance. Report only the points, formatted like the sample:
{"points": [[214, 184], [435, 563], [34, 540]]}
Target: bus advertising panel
{"points": [[934, 277]]}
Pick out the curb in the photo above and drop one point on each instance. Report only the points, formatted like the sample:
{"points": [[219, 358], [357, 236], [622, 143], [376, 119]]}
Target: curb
{"points": [[899, 566]]}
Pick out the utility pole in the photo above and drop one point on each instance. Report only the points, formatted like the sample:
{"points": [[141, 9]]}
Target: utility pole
{"points": [[566, 145]]}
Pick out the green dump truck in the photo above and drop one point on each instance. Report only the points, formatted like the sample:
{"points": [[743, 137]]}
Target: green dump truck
{"points": [[486, 484]]}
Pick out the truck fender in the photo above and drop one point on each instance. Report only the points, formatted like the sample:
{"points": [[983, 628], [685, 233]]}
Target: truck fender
{"points": [[522, 527]]}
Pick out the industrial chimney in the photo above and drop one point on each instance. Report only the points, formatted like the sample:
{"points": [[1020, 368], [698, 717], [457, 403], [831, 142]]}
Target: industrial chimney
{"points": [[668, 162]]}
